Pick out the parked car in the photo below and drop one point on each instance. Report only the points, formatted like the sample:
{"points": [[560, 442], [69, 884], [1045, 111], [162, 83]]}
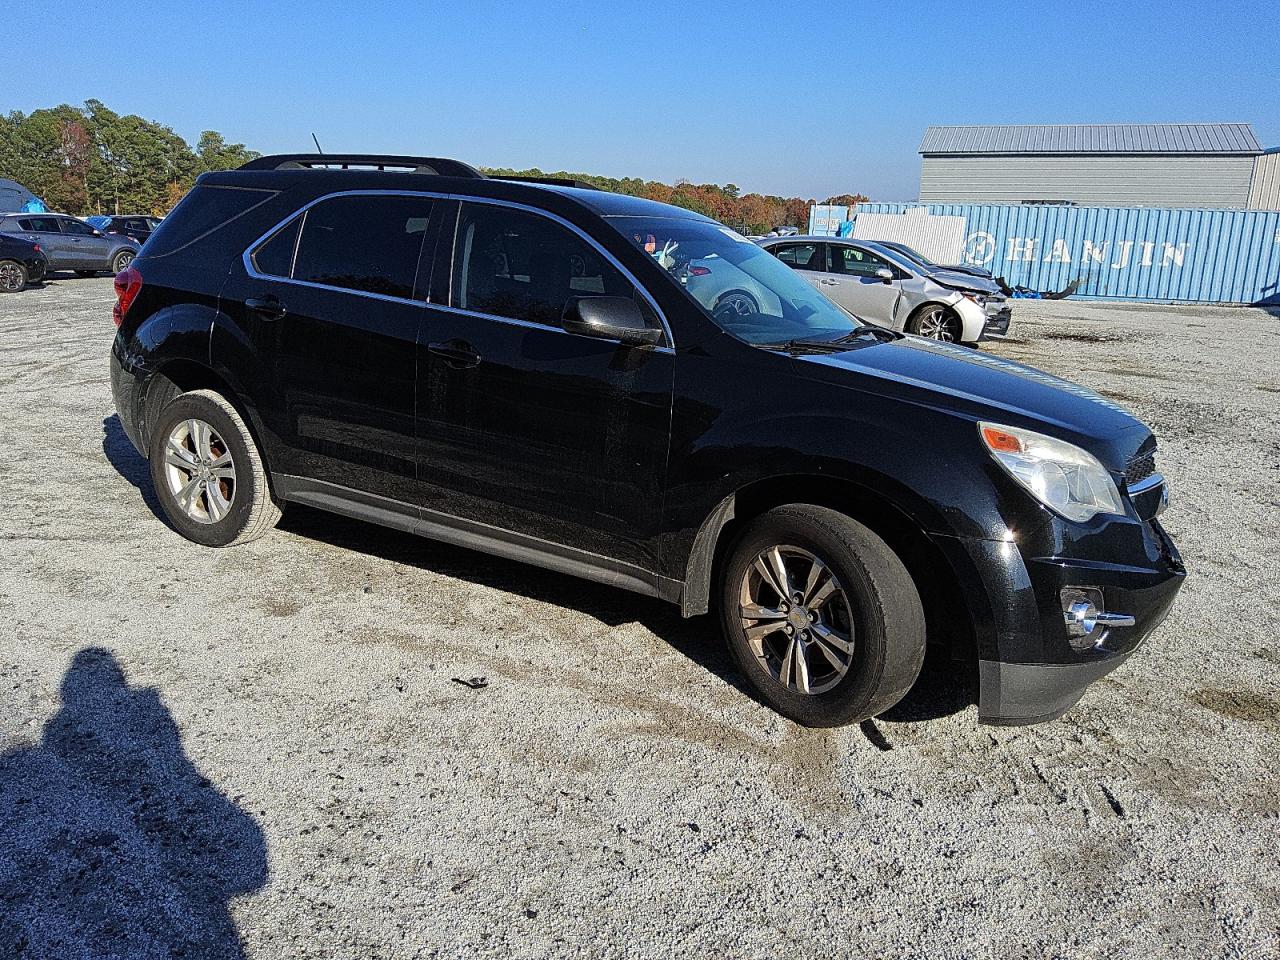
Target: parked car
{"points": [[21, 263], [69, 243], [881, 287], [925, 263], [136, 227], [518, 368]]}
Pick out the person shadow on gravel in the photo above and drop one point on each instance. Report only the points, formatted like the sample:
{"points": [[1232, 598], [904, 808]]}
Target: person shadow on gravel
{"points": [[112, 844]]}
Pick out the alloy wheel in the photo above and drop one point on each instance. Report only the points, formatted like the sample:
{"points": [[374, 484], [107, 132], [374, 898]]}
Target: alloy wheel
{"points": [[10, 277], [123, 261], [797, 619], [936, 325], [199, 470]]}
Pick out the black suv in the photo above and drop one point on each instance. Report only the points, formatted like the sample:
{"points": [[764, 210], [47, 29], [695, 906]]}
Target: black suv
{"points": [[521, 368], [137, 228]]}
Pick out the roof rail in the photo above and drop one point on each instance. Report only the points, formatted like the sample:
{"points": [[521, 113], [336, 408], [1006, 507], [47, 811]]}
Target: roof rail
{"points": [[551, 181], [438, 166]]}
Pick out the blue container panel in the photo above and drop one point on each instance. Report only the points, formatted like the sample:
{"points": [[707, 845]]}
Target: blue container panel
{"points": [[1121, 253]]}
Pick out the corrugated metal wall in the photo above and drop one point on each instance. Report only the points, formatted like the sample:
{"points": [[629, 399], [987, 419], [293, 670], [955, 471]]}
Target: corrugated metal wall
{"points": [[1159, 181], [1114, 253], [1265, 192]]}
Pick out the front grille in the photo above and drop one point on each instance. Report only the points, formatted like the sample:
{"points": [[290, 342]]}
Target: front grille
{"points": [[1140, 467]]}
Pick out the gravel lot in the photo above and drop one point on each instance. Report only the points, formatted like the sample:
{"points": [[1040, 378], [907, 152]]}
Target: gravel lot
{"points": [[261, 751]]}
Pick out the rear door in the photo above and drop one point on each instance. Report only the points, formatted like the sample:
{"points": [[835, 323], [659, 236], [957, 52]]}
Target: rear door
{"points": [[87, 248], [806, 258], [331, 303], [523, 426], [47, 232], [850, 280]]}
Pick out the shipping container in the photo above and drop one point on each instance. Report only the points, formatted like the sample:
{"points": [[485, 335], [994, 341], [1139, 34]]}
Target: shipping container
{"points": [[1106, 253]]}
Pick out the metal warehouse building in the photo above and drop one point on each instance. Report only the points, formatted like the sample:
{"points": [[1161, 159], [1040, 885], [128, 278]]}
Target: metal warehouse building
{"points": [[1147, 165]]}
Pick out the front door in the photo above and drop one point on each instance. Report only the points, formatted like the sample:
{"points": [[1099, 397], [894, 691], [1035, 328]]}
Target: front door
{"points": [[332, 307], [523, 426], [850, 280], [86, 246]]}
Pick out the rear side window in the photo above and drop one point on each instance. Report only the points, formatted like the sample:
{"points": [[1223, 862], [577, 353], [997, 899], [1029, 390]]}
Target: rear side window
{"points": [[366, 243], [526, 267], [41, 225], [275, 257], [798, 256], [201, 212]]}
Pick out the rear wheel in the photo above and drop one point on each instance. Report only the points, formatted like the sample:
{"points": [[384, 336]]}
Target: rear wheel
{"points": [[821, 616], [13, 276], [936, 322], [208, 472], [121, 260]]}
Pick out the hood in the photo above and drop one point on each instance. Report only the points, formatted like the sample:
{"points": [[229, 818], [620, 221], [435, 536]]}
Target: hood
{"points": [[986, 387]]}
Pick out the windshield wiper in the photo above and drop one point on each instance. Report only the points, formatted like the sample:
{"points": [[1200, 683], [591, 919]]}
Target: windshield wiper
{"points": [[870, 330]]}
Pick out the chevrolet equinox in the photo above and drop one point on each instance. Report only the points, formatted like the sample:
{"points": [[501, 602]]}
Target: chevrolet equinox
{"points": [[528, 369]]}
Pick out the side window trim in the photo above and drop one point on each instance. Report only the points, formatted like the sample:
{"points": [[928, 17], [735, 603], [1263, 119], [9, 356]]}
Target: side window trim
{"points": [[447, 249]]}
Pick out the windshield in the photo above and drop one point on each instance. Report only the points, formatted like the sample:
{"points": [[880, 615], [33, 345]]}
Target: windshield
{"points": [[746, 290]]}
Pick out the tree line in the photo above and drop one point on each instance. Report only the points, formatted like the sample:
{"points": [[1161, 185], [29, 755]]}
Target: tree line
{"points": [[89, 159]]}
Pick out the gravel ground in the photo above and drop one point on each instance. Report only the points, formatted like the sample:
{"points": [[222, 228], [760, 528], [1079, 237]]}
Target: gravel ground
{"points": [[261, 752]]}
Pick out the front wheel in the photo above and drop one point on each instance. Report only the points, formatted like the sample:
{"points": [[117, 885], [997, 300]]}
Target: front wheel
{"points": [[821, 616], [208, 473], [935, 322], [13, 276]]}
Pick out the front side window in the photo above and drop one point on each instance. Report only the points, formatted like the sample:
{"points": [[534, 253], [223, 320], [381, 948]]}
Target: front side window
{"points": [[77, 228], [744, 288], [855, 261], [522, 266], [361, 242]]}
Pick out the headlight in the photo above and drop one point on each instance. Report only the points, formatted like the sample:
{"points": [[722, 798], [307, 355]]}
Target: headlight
{"points": [[1066, 479], [977, 298]]}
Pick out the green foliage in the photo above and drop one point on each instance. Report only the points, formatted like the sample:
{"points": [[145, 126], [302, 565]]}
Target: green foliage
{"points": [[90, 159]]}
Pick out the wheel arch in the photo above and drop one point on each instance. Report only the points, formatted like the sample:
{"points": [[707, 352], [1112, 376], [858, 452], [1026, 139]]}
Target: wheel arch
{"points": [[932, 572]]}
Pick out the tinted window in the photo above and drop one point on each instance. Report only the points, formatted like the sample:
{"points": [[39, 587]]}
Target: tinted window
{"points": [[275, 257], [77, 228], [200, 212], [137, 223], [41, 225], [368, 243], [526, 267], [798, 256], [855, 261]]}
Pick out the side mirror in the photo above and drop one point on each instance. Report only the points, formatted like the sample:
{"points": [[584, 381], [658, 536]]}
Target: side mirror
{"points": [[609, 318], [885, 274]]}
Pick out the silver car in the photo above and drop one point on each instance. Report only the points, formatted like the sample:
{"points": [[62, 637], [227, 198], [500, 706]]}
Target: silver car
{"points": [[880, 286]]}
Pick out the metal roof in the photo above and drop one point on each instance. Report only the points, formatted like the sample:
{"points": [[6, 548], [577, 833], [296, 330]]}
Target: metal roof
{"points": [[1112, 138]]}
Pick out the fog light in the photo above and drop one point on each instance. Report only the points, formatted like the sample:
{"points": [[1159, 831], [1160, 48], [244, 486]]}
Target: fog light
{"points": [[1086, 618]]}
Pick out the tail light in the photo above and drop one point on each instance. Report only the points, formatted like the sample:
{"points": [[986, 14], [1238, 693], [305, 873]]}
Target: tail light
{"points": [[128, 285], [699, 271]]}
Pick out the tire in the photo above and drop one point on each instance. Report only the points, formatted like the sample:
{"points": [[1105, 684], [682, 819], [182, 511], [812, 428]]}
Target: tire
{"points": [[224, 511], [86, 273], [13, 276], [873, 603], [122, 260], [936, 322], [736, 303]]}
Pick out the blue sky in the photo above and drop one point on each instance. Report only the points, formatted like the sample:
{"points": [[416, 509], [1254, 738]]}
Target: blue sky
{"points": [[799, 99]]}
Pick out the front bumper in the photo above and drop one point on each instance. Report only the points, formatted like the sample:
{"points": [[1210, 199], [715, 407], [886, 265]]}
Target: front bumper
{"points": [[1028, 670], [999, 316]]}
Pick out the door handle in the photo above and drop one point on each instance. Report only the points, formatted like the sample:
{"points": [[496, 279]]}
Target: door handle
{"points": [[268, 307], [456, 353]]}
